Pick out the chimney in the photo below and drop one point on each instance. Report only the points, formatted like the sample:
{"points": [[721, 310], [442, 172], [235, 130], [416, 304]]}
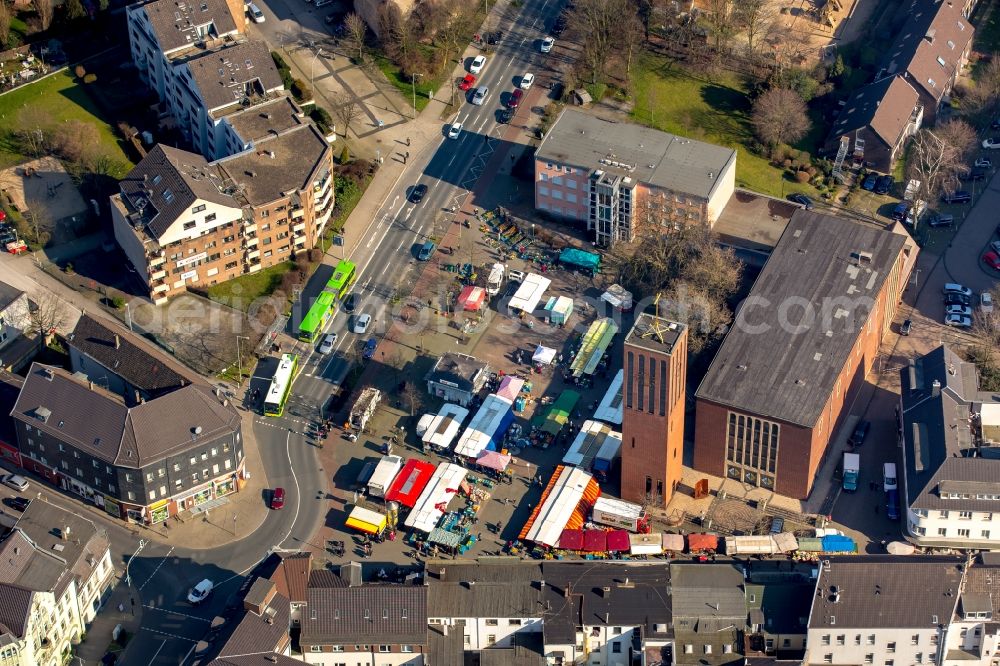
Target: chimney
{"points": [[936, 388], [90, 385], [138, 399], [118, 342]]}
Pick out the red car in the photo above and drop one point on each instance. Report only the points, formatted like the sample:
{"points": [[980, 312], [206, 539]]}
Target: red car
{"points": [[515, 98], [278, 499], [992, 259], [467, 82]]}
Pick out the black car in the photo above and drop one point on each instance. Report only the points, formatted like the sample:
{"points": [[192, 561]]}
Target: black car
{"points": [[956, 299], [883, 185], [972, 176], [505, 116], [801, 199], [17, 503], [350, 302], [906, 327], [859, 434], [418, 192], [869, 182], [959, 197]]}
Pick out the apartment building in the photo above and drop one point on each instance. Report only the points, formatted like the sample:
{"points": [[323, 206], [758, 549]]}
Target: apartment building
{"points": [[973, 635], [183, 221], [14, 313], [799, 350], [949, 434], [141, 463], [709, 613], [617, 177], [883, 610]]}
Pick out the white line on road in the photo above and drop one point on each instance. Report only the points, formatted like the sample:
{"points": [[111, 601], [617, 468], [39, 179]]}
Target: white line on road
{"points": [[163, 633], [164, 559], [157, 653], [298, 493], [190, 617]]}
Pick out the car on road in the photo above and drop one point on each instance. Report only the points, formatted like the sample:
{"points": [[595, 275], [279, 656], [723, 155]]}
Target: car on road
{"points": [[958, 321], [15, 481], [480, 95], [955, 288], [255, 14], [942, 220], [514, 100], [477, 64], [278, 499], [973, 176], [17, 503], [906, 327], [801, 199], [963, 310], [957, 197], [454, 130], [200, 592], [869, 182], [467, 82], [883, 185], [992, 143], [956, 299], [361, 323], [983, 163], [329, 340], [892, 504], [986, 302], [547, 44], [526, 80], [370, 348], [426, 251], [417, 193], [992, 259], [857, 437], [351, 302], [505, 115]]}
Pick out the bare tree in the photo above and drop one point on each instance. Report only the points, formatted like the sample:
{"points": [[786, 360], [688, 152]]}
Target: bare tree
{"points": [[961, 136], [597, 23], [780, 116], [45, 10], [413, 396], [985, 94], [631, 37], [47, 316], [706, 317], [721, 18], [757, 18], [5, 17], [76, 140], [935, 163], [356, 30], [455, 33], [347, 113]]}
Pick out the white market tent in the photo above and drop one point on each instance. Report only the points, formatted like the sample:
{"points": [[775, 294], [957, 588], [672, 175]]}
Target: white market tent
{"points": [[618, 297], [610, 409], [423, 424], [562, 501], [445, 483], [543, 355], [485, 426], [645, 544], [444, 426], [589, 441], [528, 295]]}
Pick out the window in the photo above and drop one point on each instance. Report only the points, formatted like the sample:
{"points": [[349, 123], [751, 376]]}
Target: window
{"points": [[826, 639], [963, 533], [871, 639], [915, 639], [919, 657], [828, 658], [315, 648], [942, 531], [210, 217], [198, 209], [491, 639], [890, 647], [965, 515], [727, 648], [890, 662], [616, 648], [492, 623], [189, 225], [514, 623], [869, 658], [406, 648], [383, 648], [708, 649], [688, 649], [152, 494]]}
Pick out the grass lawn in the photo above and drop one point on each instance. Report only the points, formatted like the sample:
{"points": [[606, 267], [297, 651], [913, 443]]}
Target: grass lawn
{"points": [[716, 111], [242, 291], [53, 100], [396, 77]]}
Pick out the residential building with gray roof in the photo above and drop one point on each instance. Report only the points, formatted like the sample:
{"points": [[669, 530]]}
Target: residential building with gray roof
{"points": [[619, 178]]}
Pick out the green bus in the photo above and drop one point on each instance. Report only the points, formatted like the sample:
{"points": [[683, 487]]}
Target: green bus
{"points": [[343, 278], [281, 385], [317, 317]]}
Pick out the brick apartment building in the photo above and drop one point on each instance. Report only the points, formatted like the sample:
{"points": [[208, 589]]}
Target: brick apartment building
{"points": [[615, 177], [654, 393], [802, 345], [182, 220]]}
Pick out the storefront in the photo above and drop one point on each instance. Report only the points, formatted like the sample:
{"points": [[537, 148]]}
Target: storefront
{"points": [[110, 505], [225, 486], [159, 512], [199, 496], [9, 453]]}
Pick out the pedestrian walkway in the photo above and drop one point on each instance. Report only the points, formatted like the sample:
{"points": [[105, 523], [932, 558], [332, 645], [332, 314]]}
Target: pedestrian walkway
{"points": [[122, 608]]}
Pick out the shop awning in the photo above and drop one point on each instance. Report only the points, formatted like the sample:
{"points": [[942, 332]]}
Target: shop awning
{"points": [[900, 548], [445, 538], [443, 485], [472, 298], [595, 541], [366, 520], [646, 544], [543, 355], [673, 542], [618, 541], [702, 542], [510, 387], [410, 482], [571, 540], [493, 460]]}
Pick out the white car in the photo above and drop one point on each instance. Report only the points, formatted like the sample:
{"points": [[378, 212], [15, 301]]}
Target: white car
{"points": [[986, 302], [480, 96], [200, 592], [991, 143], [455, 130], [958, 321], [255, 13], [547, 44], [16, 482], [477, 64], [955, 288], [527, 80], [963, 310], [515, 276], [361, 323], [328, 342], [983, 163]]}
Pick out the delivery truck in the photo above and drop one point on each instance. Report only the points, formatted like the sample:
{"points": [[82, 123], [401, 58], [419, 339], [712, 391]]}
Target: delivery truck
{"points": [[621, 514], [384, 474], [851, 471]]}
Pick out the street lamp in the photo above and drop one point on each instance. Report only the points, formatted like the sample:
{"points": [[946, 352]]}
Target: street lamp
{"points": [[413, 86], [312, 69], [239, 359]]}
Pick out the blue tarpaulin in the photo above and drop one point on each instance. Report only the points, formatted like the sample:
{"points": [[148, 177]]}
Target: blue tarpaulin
{"points": [[573, 257], [835, 543]]}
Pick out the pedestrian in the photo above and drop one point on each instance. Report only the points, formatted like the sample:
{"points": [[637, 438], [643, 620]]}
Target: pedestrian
{"points": [[407, 142], [407, 154]]}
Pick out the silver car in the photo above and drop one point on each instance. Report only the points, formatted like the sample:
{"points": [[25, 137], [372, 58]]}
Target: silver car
{"points": [[480, 95]]}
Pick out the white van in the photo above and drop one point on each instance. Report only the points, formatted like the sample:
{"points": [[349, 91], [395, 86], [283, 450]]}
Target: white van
{"points": [[255, 13], [889, 476]]}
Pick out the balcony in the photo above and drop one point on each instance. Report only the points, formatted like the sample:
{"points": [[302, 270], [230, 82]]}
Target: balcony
{"points": [[158, 275], [157, 260], [254, 267], [299, 227], [322, 201], [252, 254], [298, 213], [250, 227], [250, 242]]}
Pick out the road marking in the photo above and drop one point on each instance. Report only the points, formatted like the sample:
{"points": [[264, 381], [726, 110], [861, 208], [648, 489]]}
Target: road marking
{"points": [[157, 653], [164, 633], [298, 492], [152, 575], [190, 617]]}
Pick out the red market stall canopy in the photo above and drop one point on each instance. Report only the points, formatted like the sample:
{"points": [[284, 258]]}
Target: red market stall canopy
{"points": [[595, 541], [410, 482], [472, 298], [702, 543], [493, 460], [618, 541], [571, 540]]}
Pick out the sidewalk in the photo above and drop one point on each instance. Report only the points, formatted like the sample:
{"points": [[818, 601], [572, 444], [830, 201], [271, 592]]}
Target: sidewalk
{"points": [[119, 609]]}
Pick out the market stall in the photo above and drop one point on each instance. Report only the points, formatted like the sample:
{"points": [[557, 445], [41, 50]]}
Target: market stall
{"points": [[558, 310], [452, 541], [471, 298], [528, 295], [588, 443], [543, 356], [560, 412], [447, 480], [618, 298], [595, 343], [565, 504], [366, 520], [487, 428], [595, 541], [444, 427], [610, 409], [673, 543], [571, 540], [510, 387], [703, 543], [618, 541], [586, 261], [493, 460], [786, 542], [646, 544], [410, 482]]}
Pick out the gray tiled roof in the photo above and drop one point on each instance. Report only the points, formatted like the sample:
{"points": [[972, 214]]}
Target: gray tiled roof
{"points": [[176, 24], [258, 121], [15, 606], [26, 565], [708, 590], [84, 547], [665, 160], [766, 366], [885, 106], [499, 590], [8, 295], [261, 659], [99, 422], [886, 592], [169, 181], [128, 356], [371, 613], [259, 634], [445, 649], [230, 75]]}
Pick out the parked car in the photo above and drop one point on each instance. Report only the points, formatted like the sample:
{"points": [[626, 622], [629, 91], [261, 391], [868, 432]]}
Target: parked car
{"points": [[515, 276], [801, 199], [963, 310], [361, 323], [983, 163], [477, 64], [957, 197], [995, 246], [899, 211], [329, 340], [777, 525], [958, 321], [857, 438], [426, 251], [15, 481], [17, 503], [370, 348], [906, 327], [992, 259], [956, 299], [883, 185], [255, 14], [417, 193], [547, 45], [467, 82], [955, 288], [942, 220], [986, 301], [480, 95], [278, 499], [505, 116], [869, 182], [455, 130], [892, 504], [200, 592], [526, 80], [973, 176], [514, 100], [351, 302], [991, 143]]}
